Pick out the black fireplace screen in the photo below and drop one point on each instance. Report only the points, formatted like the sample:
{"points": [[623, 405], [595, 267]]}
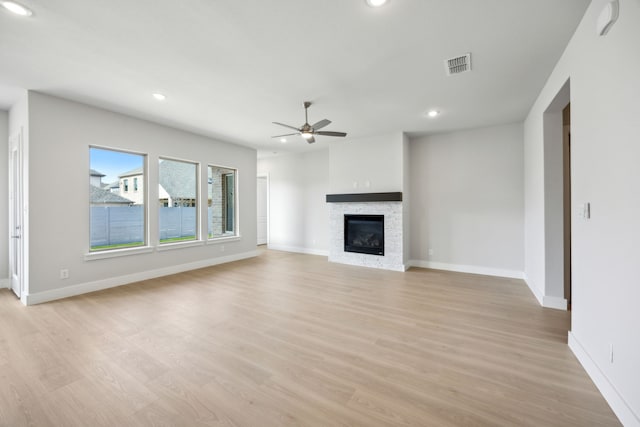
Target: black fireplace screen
{"points": [[364, 234]]}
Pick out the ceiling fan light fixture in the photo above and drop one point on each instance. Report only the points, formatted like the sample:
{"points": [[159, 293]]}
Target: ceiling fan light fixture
{"points": [[307, 135], [159, 96], [376, 3], [283, 140], [433, 113], [17, 8]]}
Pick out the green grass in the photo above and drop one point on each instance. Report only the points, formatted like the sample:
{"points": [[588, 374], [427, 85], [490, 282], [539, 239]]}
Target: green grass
{"points": [[177, 239], [117, 246], [133, 244]]}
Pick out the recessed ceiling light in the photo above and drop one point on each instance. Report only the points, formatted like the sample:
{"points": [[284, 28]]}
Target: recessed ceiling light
{"points": [[159, 96], [283, 140], [16, 8], [376, 3], [433, 113]]}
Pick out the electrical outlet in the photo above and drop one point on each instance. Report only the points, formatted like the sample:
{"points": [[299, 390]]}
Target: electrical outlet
{"points": [[64, 273], [430, 251], [221, 248]]}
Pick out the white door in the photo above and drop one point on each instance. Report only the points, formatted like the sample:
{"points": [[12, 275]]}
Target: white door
{"points": [[263, 211], [16, 217]]}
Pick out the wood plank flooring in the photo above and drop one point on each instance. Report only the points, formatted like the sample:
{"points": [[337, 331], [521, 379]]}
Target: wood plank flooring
{"points": [[292, 340]]}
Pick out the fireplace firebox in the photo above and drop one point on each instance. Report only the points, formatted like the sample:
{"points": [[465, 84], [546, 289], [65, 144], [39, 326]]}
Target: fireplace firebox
{"points": [[364, 234]]}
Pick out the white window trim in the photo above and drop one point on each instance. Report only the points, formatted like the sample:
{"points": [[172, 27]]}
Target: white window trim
{"points": [[176, 245], [146, 248], [196, 242], [236, 213], [114, 253], [223, 239]]}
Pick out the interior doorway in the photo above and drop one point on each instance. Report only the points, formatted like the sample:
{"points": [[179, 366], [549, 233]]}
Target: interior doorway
{"points": [[557, 200], [566, 181], [16, 215], [263, 209]]}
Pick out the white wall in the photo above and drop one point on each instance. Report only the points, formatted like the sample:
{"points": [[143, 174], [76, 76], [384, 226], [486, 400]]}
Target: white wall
{"points": [[60, 133], [4, 197], [406, 199], [298, 212], [367, 165], [605, 90], [467, 201]]}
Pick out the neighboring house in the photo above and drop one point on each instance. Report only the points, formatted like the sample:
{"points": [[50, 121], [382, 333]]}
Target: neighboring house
{"points": [[105, 198], [114, 187], [177, 184], [95, 178], [131, 185]]}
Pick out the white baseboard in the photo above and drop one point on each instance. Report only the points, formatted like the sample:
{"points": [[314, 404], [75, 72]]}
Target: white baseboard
{"points": [[536, 293], [112, 282], [299, 249], [559, 303], [619, 406], [474, 269], [5, 283]]}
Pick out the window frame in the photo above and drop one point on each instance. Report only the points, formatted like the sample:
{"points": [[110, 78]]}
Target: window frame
{"points": [[197, 240], [124, 250], [236, 210]]}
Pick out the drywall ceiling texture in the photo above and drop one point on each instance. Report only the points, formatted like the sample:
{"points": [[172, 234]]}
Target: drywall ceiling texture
{"points": [[603, 73], [467, 201], [230, 68], [60, 134]]}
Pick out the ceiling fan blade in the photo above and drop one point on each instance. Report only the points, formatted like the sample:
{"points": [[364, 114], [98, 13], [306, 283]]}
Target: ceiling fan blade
{"points": [[329, 133], [310, 140], [287, 126], [321, 124], [288, 134]]}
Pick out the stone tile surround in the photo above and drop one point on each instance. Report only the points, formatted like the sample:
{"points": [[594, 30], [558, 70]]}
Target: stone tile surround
{"points": [[393, 243]]}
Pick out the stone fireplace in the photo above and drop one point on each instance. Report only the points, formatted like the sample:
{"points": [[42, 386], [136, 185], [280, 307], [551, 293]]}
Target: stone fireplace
{"points": [[378, 248]]}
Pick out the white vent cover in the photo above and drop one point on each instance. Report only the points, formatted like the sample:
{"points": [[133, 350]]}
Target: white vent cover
{"points": [[457, 65]]}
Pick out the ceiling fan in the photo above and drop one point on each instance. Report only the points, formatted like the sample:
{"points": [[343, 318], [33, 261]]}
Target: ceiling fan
{"points": [[307, 131]]}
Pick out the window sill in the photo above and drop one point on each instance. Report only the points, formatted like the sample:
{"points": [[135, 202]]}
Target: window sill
{"points": [[168, 246], [223, 239], [114, 253]]}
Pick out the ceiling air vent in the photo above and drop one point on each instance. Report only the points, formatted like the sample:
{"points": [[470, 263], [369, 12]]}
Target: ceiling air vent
{"points": [[457, 65]]}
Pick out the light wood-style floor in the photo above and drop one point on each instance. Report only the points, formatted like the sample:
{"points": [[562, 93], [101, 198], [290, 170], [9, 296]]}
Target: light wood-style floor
{"points": [[288, 339]]}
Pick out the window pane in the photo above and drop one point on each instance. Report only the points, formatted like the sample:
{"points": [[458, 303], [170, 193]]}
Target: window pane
{"points": [[222, 202], [117, 216], [178, 189]]}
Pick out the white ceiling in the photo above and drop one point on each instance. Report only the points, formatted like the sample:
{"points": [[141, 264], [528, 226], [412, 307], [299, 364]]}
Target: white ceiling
{"points": [[231, 67]]}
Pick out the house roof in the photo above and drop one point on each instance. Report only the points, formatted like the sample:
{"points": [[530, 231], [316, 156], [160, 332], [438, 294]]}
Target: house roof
{"points": [[132, 172], [178, 179], [93, 172], [102, 196]]}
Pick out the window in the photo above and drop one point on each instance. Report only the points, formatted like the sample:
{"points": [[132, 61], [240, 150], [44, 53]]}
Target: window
{"points": [[126, 185], [116, 221], [178, 200], [222, 202], [135, 184]]}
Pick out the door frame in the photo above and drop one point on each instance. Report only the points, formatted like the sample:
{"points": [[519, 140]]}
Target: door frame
{"points": [[265, 175], [18, 229]]}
